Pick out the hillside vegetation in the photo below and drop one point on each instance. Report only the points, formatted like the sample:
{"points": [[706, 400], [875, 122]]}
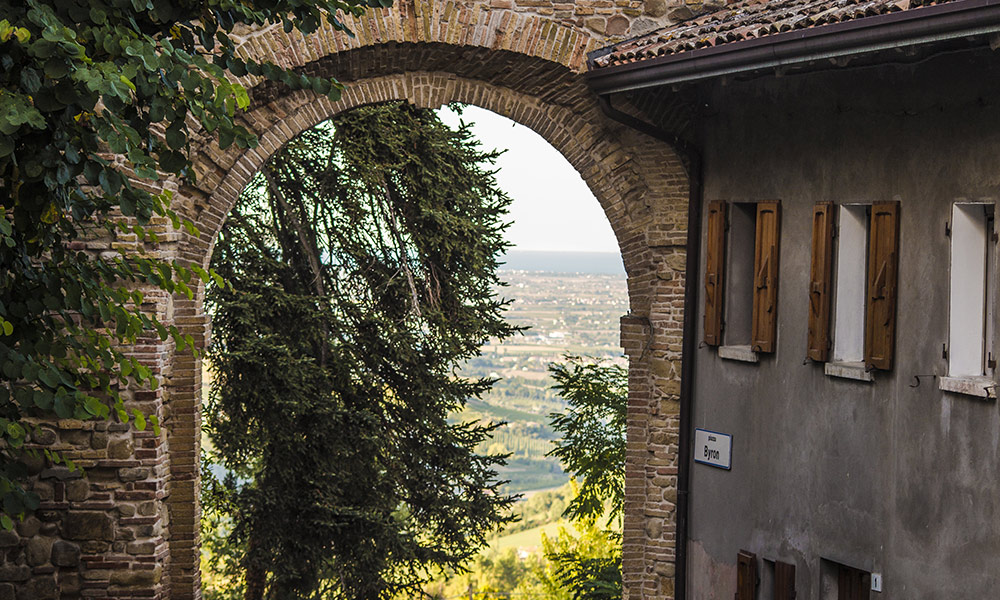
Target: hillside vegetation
{"points": [[566, 313]]}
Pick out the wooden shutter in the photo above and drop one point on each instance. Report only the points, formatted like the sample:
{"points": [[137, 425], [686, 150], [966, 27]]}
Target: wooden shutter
{"points": [[746, 575], [883, 260], [765, 284], [853, 584], [784, 581], [715, 249], [820, 277]]}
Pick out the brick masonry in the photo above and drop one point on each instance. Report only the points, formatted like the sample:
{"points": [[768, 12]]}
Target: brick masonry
{"points": [[130, 528]]}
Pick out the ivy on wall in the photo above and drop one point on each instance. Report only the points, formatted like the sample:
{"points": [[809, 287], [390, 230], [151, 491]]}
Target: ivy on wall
{"points": [[99, 101]]}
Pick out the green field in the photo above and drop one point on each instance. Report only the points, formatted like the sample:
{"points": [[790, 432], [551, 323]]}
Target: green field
{"points": [[530, 538], [479, 409]]}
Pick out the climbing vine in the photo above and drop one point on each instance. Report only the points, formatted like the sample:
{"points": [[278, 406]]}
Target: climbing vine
{"points": [[99, 103]]}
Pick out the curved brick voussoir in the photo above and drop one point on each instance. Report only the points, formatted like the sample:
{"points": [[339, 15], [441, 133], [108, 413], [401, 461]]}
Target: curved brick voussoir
{"points": [[130, 529]]}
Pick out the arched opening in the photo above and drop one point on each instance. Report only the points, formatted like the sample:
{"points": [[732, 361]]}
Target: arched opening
{"points": [[639, 183]]}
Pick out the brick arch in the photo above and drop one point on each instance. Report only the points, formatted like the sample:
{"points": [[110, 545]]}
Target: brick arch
{"points": [[534, 79]]}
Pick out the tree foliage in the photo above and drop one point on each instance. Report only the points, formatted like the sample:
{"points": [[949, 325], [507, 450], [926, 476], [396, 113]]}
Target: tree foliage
{"points": [[99, 101], [363, 266], [592, 446]]}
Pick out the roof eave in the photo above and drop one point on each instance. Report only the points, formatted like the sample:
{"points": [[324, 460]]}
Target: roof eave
{"points": [[870, 34]]}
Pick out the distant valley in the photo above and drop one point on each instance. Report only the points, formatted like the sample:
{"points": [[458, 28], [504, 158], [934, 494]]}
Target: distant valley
{"points": [[571, 303]]}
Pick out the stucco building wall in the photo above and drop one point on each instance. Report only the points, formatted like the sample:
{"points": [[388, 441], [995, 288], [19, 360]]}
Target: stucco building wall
{"points": [[892, 476]]}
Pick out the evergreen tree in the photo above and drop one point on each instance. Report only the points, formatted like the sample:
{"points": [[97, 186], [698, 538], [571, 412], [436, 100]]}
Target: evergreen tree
{"points": [[363, 264]]}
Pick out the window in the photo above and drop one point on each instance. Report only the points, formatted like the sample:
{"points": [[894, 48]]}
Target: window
{"points": [[741, 275], [746, 575], [841, 582], [973, 280], [777, 581], [860, 285], [852, 261]]}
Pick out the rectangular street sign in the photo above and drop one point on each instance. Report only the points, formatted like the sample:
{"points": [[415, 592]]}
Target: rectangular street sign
{"points": [[713, 448]]}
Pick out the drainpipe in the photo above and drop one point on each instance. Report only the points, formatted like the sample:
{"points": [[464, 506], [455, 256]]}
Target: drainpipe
{"points": [[692, 160]]}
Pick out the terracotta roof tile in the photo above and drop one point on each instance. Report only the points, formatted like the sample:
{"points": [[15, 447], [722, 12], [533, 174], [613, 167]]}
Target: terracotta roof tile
{"points": [[749, 19]]}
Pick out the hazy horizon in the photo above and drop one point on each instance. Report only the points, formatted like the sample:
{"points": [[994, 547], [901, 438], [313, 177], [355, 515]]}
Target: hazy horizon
{"points": [[563, 261], [552, 209]]}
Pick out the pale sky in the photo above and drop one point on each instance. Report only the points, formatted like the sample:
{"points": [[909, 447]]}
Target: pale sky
{"points": [[552, 208]]}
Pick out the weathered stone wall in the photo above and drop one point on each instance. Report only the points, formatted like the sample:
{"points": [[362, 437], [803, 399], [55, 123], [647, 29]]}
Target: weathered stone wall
{"points": [[130, 529]]}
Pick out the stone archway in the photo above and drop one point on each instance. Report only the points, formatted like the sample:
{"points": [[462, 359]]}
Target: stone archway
{"points": [[526, 65]]}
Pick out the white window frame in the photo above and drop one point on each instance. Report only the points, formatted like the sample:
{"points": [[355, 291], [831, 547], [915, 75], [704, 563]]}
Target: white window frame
{"points": [[850, 285], [972, 296]]}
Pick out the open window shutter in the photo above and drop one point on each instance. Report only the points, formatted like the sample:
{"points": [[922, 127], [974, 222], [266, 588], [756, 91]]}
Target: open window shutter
{"points": [[820, 275], [746, 575], [880, 312], [853, 584], [784, 581], [715, 248], [765, 265]]}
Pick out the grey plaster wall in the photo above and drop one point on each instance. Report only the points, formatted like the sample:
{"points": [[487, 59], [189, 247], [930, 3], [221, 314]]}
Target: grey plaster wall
{"points": [[882, 476]]}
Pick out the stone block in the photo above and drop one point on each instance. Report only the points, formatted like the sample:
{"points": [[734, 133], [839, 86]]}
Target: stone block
{"points": [[598, 24], [77, 491], [137, 578], [88, 525], [61, 473], [99, 441], [38, 550], [141, 548], [7, 591], [617, 25], [654, 528], [9, 539], [15, 573], [69, 584], [65, 554], [133, 474], [93, 547], [44, 436], [29, 527], [39, 588], [656, 8], [44, 490], [121, 449]]}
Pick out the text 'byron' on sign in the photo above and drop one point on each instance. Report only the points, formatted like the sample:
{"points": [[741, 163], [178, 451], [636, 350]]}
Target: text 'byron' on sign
{"points": [[713, 448]]}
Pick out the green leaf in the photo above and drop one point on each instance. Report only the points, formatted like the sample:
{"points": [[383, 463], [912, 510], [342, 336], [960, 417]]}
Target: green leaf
{"points": [[15, 431], [140, 420], [175, 136], [56, 68], [63, 407], [226, 137], [6, 523], [172, 162], [93, 406], [242, 98]]}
